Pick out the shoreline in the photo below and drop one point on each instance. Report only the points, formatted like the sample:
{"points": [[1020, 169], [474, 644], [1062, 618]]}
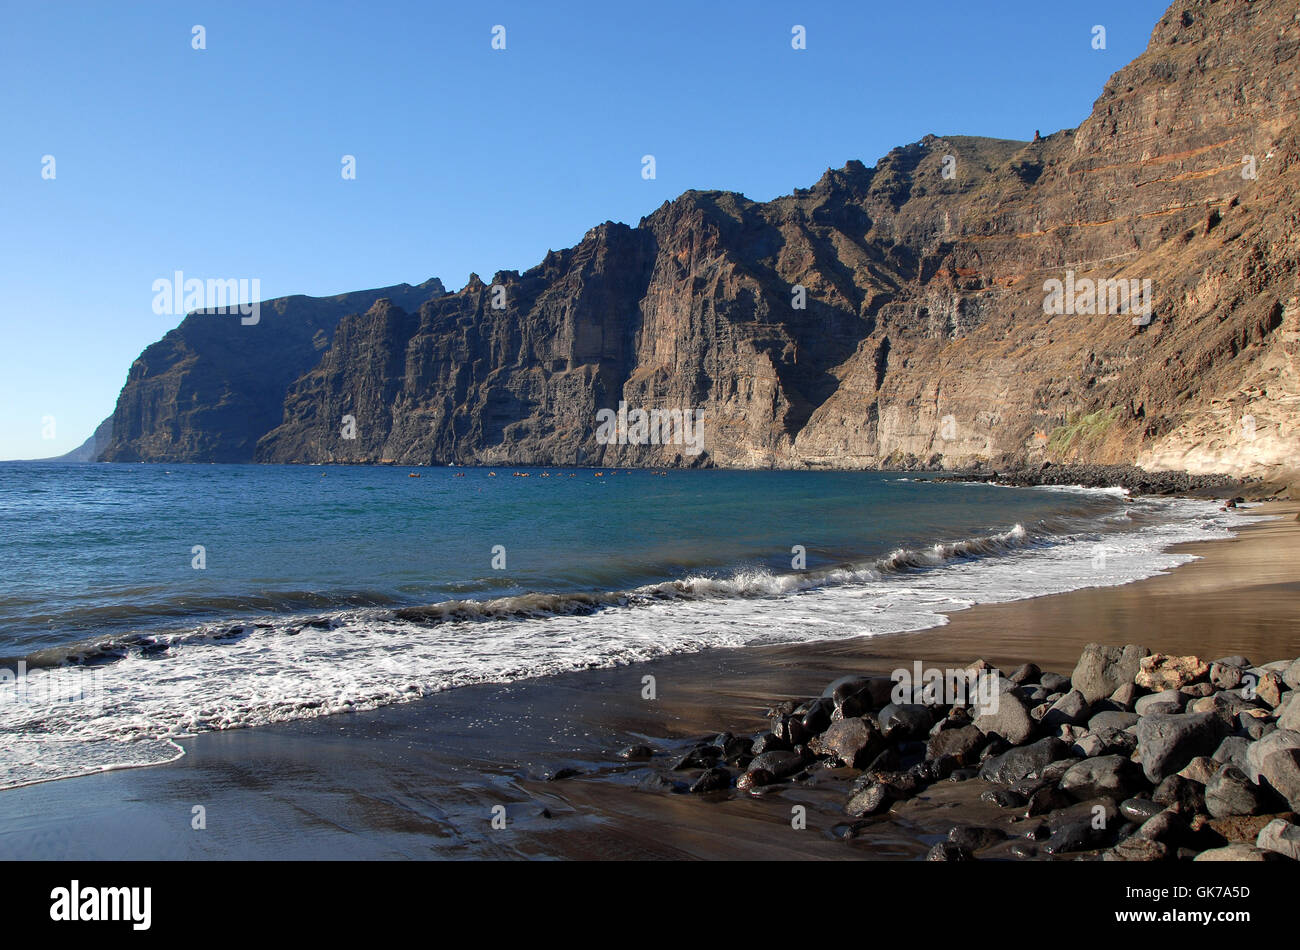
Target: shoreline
{"points": [[420, 779]]}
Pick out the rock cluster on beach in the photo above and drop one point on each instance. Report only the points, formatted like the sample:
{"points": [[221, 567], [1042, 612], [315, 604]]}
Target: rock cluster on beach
{"points": [[1134, 756], [1130, 477]]}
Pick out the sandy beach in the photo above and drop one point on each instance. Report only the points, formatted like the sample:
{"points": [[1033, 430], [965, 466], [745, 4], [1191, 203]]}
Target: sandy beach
{"points": [[420, 780]]}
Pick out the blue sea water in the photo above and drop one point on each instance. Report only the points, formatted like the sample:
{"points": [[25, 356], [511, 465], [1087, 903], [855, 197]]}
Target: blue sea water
{"points": [[142, 603]]}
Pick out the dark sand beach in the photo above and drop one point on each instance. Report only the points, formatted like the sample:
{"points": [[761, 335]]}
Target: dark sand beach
{"points": [[420, 780]]}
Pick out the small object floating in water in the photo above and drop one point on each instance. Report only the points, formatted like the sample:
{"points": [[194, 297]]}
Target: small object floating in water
{"points": [[413, 475], [600, 474], [492, 474]]}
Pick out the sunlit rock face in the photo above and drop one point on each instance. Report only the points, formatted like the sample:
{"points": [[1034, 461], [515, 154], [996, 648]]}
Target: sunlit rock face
{"points": [[965, 302]]}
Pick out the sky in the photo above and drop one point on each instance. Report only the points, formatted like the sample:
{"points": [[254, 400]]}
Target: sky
{"points": [[227, 162]]}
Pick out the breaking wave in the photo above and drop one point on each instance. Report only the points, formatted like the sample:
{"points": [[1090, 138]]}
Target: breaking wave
{"points": [[742, 583], [151, 689]]}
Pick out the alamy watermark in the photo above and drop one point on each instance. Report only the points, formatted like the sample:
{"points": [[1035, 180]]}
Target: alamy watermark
{"points": [[55, 684], [1107, 295], [78, 902], [651, 427], [177, 295], [933, 687]]}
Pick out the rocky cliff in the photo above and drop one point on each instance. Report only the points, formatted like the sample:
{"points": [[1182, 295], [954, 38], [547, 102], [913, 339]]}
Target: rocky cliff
{"points": [[209, 389], [900, 315]]}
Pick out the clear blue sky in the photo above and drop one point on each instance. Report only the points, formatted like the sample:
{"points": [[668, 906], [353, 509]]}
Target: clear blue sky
{"points": [[226, 162]]}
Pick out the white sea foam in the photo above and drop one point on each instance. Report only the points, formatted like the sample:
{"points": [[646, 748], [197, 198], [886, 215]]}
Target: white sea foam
{"points": [[369, 657]]}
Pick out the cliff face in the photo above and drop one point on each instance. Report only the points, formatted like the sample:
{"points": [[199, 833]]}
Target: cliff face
{"points": [[209, 389], [923, 340], [462, 380], [1149, 187]]}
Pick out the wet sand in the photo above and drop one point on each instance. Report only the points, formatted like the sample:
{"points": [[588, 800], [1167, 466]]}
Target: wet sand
{"points": [[421, 780]]}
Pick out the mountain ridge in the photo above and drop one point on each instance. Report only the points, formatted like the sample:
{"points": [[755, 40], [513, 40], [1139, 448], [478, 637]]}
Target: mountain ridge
{"points": [[923, 341]]}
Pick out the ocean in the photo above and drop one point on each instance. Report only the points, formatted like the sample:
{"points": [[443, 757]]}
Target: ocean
{"points": [[142, 604]]}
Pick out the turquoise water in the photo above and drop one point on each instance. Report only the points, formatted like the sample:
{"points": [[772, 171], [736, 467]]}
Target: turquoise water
{"points": [[93, 549], [327, 589]]}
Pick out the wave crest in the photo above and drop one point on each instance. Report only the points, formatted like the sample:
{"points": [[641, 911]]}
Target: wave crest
{"points": [[743, 583]]}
